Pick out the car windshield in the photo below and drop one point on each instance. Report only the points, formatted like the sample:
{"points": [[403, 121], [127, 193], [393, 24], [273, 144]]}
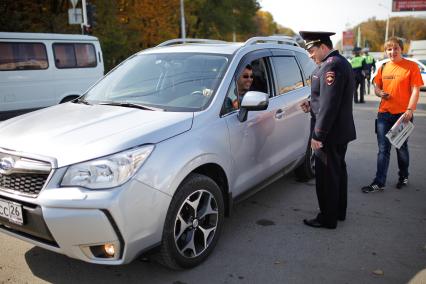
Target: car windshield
{"points": [[166, 81], [423, 61]]}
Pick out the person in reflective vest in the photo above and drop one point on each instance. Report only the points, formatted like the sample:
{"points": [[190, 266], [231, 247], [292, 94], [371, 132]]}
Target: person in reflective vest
{"points": [[371, 67], [359, 67]]}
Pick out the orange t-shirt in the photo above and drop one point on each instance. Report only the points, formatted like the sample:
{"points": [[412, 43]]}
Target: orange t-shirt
{"points": [[397, 79]]}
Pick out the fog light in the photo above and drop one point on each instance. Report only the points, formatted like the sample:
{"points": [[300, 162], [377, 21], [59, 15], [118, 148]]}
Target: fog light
{"points": [[109, 249]]}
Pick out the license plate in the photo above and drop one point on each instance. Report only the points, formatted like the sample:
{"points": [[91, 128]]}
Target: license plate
{"points": [[11, 211]]}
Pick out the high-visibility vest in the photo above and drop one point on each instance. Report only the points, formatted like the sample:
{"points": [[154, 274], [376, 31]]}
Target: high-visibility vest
{"points": [[356, 62], [369, 59]]}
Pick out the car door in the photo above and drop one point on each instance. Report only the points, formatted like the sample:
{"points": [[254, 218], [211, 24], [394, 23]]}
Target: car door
{"points": [[293, 125], [256, 145]]}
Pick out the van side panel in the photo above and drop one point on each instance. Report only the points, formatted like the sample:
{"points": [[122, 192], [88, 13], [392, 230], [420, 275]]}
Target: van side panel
{"points": [[23, 89]]}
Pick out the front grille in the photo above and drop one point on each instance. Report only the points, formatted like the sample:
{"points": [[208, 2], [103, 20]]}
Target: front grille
{"points": [[28, 184], [22, 175]]}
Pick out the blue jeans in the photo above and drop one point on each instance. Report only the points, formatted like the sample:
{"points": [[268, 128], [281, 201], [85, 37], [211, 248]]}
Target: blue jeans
{"points": [[385, 121]]}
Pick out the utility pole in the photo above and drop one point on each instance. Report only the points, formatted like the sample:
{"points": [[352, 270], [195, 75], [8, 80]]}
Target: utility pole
{"points": [[182, 19], [387, 29], [387, 21], [84, 24], [358, 42]]}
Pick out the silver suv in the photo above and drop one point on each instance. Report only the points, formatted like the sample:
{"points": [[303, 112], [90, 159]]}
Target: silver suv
{"points": [[155, 153]]}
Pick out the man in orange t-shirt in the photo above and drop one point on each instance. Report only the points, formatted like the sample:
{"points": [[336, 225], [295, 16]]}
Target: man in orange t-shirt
{"points": [[398, 84]]}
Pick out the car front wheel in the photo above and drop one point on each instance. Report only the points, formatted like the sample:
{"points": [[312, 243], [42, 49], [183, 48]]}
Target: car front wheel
{"points": [[193, 223]]}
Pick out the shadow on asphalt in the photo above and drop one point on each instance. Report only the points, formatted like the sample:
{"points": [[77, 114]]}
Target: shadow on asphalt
{"points": [[56, 268]]}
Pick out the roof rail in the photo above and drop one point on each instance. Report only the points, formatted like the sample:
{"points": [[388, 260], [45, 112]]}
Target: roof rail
{"points": [[189, 40], [275, 39]]}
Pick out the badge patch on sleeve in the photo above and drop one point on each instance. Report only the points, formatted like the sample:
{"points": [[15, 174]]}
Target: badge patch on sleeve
{"points": [[330, 77]]}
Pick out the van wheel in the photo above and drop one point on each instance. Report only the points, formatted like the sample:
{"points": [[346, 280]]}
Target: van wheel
{"points": [[67, 99], [306, 170], [193, 223]]}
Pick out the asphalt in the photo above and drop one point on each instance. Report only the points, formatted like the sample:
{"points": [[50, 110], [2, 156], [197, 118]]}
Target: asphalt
{"points": [[383, 239]]}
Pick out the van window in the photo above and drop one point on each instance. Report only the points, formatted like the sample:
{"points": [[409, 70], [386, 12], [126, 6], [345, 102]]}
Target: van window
{"points": [[74, 55], [22, 56], [288, 73]]}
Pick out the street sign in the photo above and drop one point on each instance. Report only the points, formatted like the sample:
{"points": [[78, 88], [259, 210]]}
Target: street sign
{"points": [[408, 5], [74, 3], [75, 16], [348, 40]]}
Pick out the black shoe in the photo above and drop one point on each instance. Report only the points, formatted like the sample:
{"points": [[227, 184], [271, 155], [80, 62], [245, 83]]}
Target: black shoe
{"points": [[374, 187], [402, 182], [341, 218], [315, 223]]}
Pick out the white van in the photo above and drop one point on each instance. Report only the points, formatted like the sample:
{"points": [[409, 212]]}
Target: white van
{"points": [[39, 69]]}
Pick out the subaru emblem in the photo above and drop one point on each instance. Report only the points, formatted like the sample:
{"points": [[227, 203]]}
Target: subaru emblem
{"points": [[6, 165]]}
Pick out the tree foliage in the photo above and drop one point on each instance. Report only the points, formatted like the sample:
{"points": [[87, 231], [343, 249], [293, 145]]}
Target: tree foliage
{"points": [[407, 28], [127, 26]]}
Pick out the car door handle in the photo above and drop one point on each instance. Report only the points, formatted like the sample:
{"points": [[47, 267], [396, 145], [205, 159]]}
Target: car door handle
{"points": [[279, 114]]}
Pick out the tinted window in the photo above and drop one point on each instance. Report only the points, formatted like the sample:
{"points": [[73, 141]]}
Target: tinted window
{"points": [[22, 56], [308, 66], [74, 55], [288, 74]]}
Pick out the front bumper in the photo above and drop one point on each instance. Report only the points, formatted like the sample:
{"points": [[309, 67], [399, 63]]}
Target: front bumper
{"points": [[73, 220]]}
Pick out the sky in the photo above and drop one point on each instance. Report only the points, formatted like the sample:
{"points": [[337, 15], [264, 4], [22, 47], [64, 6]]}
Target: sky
{"points": [[329, 15]]}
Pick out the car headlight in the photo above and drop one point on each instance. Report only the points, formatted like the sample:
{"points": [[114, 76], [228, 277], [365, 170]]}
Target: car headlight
{"points": [[109, 171]]}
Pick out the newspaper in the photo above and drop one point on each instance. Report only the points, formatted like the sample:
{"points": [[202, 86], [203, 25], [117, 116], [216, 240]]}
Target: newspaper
{"points": [[400, 132]]}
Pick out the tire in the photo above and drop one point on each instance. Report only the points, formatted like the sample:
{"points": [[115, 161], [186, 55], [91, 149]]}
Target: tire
{"points": [[193, 223], [306, 170]]}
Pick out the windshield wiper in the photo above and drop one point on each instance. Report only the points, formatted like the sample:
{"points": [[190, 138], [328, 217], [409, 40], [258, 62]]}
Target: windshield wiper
{"points": [[81, 100], [132, 105]]}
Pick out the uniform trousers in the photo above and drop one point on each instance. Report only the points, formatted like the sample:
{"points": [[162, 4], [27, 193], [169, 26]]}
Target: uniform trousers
{"points": [[367, 81], [359, 83], [331, 183]]}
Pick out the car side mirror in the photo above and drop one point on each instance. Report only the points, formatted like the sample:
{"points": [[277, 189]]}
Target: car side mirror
{"points": [[253, 101]]}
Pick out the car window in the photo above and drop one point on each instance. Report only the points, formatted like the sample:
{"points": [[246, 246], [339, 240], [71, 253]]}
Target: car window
{"points": [[170, 81], [288, 73], [253, 77], [22, 56]]}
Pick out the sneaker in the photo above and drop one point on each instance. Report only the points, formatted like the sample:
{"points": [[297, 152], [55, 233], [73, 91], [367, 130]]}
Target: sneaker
{"points": [[374, 187], [402, 182]]}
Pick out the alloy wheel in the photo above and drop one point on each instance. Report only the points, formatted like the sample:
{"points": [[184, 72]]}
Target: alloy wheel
{"points": [[196, 223]]}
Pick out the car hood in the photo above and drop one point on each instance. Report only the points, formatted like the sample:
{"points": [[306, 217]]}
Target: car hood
{"points": [[71, 133]]}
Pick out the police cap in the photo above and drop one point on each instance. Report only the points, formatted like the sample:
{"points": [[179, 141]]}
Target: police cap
{"points": [[356, 49], [312, 38]]}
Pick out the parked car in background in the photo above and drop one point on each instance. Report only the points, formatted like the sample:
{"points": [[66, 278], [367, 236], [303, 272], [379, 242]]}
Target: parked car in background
{"points": [[39, 70], [417, 49], [155, 153], [420, 62]]}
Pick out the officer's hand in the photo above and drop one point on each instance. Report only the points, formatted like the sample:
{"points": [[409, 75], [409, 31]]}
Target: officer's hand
{"points": [[306, 106], [315, 144]]}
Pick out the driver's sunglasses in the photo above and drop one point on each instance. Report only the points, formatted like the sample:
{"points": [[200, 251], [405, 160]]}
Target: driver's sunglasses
{"points": [[248, 76]]}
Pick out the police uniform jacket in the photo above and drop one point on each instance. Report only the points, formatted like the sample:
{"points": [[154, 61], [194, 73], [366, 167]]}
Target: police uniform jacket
{"points": [[333, 86]]}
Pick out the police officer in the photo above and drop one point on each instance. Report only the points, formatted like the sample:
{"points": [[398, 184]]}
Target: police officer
{"points": [[359, 67], [370, 67], [332, 126]]}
